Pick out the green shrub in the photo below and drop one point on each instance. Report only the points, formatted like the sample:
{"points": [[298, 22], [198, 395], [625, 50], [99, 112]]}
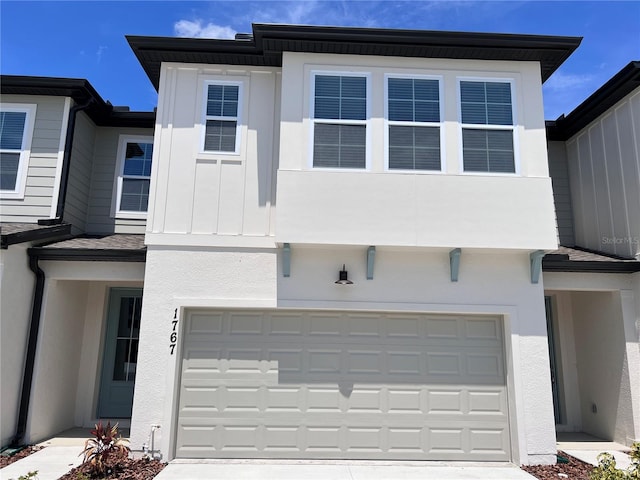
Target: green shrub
{"points": [[606, 469], [29, 476]]}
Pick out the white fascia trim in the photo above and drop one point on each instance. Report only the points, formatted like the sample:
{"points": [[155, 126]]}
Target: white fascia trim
{"points": [[514, 128], [117, 181], [239, 118], [366, 122], [209, 240], [25, 154], [440, 125], [61, 148]]}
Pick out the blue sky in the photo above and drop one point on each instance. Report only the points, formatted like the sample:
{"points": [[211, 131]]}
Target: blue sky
{"points": [[85, 39]]}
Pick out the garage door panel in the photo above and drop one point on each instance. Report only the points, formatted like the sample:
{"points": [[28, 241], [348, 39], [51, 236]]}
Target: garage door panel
{"points": [[347, 328], [333, 440], [377, 386]]}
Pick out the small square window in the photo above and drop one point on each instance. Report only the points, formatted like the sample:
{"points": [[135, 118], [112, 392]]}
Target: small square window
{"points": [[222, 117]]}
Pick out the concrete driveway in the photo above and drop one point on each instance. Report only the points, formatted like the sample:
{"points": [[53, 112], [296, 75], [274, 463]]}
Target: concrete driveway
{"points": [[309, 470]]}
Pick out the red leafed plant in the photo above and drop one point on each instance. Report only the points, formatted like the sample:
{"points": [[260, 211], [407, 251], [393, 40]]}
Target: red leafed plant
{"points": [[106, 449]]}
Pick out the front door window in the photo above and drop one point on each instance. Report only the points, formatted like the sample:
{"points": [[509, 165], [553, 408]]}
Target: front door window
{"points": [[120, 353]]}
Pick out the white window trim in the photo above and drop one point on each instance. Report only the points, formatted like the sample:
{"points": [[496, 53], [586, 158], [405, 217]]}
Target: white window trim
{"points": [[513, 128], [366, 122], [119, 176], [25, 152], [238, 118], [388, 122]]}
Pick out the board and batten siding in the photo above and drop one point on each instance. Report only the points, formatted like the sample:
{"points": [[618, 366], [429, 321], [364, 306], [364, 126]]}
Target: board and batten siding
{"points": [[604, 166], [77, 199], [207, 198], [105, 158], [44, 161], [559, 173]]}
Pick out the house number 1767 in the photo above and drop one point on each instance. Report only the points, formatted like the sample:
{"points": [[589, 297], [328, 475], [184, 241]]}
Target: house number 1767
{"points": [[173, 338]]}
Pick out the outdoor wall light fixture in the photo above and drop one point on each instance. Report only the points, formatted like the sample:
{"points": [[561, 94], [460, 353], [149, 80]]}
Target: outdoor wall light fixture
{"points": [[343, 280]]}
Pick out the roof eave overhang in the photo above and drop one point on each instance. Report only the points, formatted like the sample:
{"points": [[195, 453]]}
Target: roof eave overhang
{"points": [[268, 43], [618, 87], [590, 267], [88, 255], [39, 234], [81, 91]]}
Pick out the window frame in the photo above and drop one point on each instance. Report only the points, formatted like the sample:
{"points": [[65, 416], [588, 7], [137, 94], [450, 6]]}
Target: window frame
{"points": [[116, 212], [30, 110], [474, 126], [204, 117], [440, 125], [366, 122]]}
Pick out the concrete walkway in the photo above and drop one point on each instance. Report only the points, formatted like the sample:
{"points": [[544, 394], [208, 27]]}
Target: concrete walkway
{"points": [[587, 448], [61, 454], [50, 463]]}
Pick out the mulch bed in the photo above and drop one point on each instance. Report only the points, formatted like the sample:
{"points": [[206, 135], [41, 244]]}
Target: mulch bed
{"points": [[574, 470], [5, 460], [128, 469]]}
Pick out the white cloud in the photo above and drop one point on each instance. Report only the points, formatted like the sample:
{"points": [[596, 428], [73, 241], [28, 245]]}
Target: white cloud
{"points": [[197, 29], [99, 52], [562, 81]]}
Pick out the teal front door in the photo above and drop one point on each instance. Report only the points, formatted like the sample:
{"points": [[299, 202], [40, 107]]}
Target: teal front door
{"points": [[120, 353]]}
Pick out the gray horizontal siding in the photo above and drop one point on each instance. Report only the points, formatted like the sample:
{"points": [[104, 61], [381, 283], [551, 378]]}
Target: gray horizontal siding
{"points": [[559, 173], [77, 199], [99, 219], [43, 161]]}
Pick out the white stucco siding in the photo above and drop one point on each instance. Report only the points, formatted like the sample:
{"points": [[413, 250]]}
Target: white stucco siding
{"points": [[55, 381], [16, 291], [415, 281], [603, 368], [44, 162], [204, 193], [604, 167], [415, 210], [500, 211], [599, 322]]}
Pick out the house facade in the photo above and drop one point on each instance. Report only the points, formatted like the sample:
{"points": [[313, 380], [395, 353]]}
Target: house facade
{"points": [[345, 231], [61, 178]]}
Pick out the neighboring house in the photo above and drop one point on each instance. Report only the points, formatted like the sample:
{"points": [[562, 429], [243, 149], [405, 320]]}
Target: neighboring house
{"points": [[63, 173], [418, 160], [593, 289]]}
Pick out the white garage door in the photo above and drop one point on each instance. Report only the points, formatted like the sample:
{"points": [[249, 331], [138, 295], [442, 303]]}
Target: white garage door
{"points": [[342, 385]]}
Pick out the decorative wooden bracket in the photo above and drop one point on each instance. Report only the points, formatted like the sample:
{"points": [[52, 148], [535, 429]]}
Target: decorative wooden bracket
{"points": [[371, 256], [454, 263], [286, 260], [535, 259]]}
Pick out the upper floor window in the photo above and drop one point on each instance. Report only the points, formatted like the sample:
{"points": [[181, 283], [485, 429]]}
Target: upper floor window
{"points": [[16, 130], [134, 176], [222, 117], [340, 121], [413, 115], [487, 126]]}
